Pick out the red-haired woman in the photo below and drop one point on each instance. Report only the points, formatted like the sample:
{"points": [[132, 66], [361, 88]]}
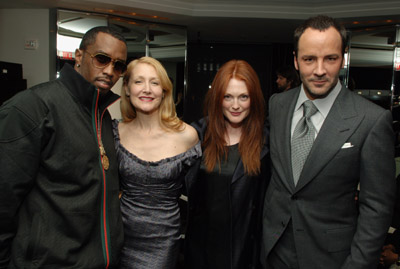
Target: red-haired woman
{"points": [[226, 188]]}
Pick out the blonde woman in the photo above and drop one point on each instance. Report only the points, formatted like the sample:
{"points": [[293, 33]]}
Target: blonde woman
{"points": [[154, 148]]}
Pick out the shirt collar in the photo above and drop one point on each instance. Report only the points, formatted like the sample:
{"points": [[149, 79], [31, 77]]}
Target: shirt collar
{"points": [[323, 104]]}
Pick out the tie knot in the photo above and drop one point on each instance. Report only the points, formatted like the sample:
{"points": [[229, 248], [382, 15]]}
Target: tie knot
{"points": [[309, 109]]}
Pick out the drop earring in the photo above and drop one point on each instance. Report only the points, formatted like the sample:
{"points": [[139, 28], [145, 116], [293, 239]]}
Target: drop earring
{"points": [[78, 65]]}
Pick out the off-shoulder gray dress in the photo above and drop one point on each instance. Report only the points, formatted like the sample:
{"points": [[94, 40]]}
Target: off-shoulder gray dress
{"points": [[149, 206]]}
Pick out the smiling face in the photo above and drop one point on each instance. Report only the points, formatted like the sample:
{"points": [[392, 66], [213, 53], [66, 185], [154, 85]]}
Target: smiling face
{"points": [[144, 89], [103, 78], [236, 102], [319, 60]]}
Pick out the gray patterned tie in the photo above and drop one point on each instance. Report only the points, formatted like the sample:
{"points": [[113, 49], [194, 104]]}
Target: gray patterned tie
{"points": [[302, 139]]}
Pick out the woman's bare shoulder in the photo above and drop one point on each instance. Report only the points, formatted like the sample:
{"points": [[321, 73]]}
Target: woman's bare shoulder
{"points": [[189, 135]]}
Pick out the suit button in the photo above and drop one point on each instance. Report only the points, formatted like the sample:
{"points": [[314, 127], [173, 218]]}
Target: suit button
{"points": [[294, 197]]}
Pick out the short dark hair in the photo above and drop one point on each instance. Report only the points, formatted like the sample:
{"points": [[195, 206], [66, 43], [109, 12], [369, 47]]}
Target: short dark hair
{"points": [[321, 23], [89, 37], [290, 73]]}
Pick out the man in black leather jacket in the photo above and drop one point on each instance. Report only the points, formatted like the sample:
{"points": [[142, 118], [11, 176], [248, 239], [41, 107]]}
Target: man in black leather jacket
{"points": [[59, 205]]}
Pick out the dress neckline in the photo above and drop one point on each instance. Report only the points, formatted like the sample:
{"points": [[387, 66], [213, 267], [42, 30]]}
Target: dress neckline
{"points": [[196, 148], [233, 146]]}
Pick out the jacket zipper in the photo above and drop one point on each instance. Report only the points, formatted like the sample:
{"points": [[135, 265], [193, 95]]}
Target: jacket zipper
{"points": [[104, 218]]}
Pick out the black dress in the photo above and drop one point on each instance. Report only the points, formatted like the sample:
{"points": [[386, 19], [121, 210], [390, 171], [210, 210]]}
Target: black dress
{"points": [[149, 206], [218, 216], [234, 225]]}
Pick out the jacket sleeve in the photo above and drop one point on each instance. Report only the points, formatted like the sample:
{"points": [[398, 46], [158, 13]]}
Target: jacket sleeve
{"points": [[20, 144], [377, 194]]}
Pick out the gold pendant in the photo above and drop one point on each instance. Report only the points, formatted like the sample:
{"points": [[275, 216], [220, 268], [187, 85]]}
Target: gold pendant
{"points": [[104, 158], [105, 162]]}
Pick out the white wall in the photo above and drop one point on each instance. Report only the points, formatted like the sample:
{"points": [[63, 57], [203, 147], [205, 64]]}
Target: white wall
{"points": [[18, 25], [114, 109]]}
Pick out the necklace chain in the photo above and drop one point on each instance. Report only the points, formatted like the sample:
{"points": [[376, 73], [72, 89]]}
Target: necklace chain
{"points": [[104, 158]]}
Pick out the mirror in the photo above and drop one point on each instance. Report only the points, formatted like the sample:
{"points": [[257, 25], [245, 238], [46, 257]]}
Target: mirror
{"points": [[371, 64]]}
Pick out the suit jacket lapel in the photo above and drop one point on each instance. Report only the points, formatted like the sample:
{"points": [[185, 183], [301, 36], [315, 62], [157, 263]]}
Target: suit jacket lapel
{"points": [[239, 171], [284, 117], [338, 126]]}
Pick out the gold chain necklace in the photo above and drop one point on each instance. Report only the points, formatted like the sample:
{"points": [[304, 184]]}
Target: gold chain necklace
{"points": [[104, 159]]}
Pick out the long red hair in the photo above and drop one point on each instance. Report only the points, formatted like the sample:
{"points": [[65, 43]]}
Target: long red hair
{"points": [[252, 138]]}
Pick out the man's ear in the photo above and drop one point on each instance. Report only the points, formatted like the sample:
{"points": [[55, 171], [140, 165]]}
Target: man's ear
{"points": [[295, 61], [78, 58]]}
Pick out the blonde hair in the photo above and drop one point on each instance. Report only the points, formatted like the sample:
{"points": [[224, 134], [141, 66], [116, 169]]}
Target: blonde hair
{"points": [[167, 113]]}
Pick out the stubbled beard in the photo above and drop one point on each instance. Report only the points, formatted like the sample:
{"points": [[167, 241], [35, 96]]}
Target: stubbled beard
{"points": [[320, 96]]}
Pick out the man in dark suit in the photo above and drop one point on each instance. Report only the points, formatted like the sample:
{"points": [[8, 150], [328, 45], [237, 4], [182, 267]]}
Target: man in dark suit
{"points": [[311, 218]]}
